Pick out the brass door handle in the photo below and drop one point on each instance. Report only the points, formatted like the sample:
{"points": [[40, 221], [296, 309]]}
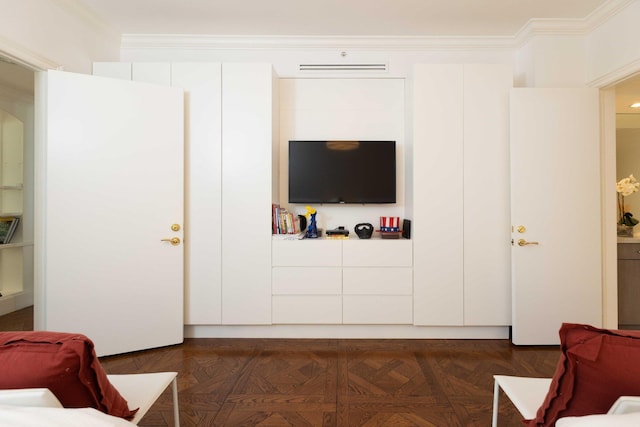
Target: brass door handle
{"points": [[174, 241], [523, 242]]}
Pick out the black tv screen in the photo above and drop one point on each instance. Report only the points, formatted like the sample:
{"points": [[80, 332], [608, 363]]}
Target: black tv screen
{"points": [[342, 172]]}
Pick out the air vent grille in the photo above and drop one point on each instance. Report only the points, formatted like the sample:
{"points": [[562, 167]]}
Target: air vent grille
{"points": [[343, 67]]}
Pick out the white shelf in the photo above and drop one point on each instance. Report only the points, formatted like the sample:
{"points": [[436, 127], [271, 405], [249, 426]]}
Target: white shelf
{"points": [[15, 245], [18, 187]]}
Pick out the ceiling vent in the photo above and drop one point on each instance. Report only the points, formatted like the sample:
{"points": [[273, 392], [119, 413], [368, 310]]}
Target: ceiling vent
{"points": [[343, 67]]}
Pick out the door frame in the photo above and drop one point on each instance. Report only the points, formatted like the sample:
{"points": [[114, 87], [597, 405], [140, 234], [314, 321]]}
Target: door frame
{"points": [[606, 84], [609, 215], [39, 65]]}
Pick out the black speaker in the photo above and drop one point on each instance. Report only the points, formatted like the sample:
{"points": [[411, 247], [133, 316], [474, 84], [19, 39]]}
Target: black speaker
{"points": [[303, 222], [406, 228]]}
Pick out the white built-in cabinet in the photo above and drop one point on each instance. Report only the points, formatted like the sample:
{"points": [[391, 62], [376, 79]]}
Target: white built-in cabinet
{"points": [[461, 225], [229, 120], [318, 281], [455, 270]]}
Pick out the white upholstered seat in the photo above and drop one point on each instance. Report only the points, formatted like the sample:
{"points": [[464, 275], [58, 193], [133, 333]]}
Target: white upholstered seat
{"points": [[528, 394], [139, 390]]}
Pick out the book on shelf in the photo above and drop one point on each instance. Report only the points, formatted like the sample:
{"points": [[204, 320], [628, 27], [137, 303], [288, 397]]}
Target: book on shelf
{"points": [[8, 225], [283, 221]]}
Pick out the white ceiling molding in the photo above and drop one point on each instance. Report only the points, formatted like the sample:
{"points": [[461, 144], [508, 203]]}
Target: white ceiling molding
{"points": [[212, 42], [534, 27], [606, 12], [549, 27]]}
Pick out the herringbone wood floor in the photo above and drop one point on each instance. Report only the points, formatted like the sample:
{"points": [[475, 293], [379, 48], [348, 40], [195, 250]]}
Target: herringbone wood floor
{"points": [[330, 382]]}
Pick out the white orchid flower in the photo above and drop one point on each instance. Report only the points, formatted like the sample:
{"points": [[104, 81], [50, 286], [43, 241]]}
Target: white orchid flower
{"points": [[627, 186]]}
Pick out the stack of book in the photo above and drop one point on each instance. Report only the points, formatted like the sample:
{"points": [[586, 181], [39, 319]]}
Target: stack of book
{"points": [[8, 225], [283, 221]]}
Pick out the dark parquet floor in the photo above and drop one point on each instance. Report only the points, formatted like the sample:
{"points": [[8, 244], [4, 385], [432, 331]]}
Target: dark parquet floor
{"points": [[331, 382]]}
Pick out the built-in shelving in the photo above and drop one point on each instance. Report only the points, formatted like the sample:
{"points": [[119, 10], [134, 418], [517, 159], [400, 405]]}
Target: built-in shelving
{"points": [[15, 245], [12, 187], [16, 257]]}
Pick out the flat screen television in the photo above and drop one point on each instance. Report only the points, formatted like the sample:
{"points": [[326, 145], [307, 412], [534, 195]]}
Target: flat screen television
{"points": [[342, 172]]}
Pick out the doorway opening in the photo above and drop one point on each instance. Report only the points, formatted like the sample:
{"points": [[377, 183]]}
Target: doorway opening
{"points": [[627, 170], [17, 128]]}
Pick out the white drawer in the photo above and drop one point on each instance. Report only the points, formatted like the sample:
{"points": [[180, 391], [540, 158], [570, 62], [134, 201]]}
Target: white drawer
{"points": [[306, 281], [306, 310], [377, 253], [371, 309], [306, 252], [377, 281]]}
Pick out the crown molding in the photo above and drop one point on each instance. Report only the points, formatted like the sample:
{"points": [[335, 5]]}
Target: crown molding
{"points": [[532, 29], [213, 42], [569, 27], [605, 12]]}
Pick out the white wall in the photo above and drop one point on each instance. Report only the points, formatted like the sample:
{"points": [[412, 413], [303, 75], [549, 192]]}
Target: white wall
{"points": [[343, 109], [597, 52], [612, 48], [60, 32], [55, 33], [551, 61]]}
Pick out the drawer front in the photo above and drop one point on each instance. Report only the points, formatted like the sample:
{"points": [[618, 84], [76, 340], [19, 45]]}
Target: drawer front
{"points": [[628, 250], [377, 253], [377, 310], [306, 310], [377, 281], [306, 281], [306, 253]]}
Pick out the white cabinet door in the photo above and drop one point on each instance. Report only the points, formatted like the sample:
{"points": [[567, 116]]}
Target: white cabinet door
{"points": [[461, 194], [555, 187], [201, 82], [487, 254], [203, 188], [110, 187], [247, 144], [437, 230]]}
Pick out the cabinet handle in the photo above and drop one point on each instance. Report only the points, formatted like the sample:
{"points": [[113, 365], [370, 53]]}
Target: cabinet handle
{"points": [[523, 242]]}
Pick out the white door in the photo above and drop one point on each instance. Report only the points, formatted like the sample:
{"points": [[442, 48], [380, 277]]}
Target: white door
{"points": [[111, 188], [555, 212]]}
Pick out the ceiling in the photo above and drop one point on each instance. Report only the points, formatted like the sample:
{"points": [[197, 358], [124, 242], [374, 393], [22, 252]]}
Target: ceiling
{"points": [[333, 17]]}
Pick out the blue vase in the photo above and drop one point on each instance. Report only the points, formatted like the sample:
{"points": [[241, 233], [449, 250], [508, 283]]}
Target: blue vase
{"points": [[312, 230]]}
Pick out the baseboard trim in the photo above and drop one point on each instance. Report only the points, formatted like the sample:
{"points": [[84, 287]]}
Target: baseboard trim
{"points": [[348, 331]]}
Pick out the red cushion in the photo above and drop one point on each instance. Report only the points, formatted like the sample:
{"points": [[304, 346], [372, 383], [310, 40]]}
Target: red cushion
{"points": [[64, 363], [596, 367]]}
